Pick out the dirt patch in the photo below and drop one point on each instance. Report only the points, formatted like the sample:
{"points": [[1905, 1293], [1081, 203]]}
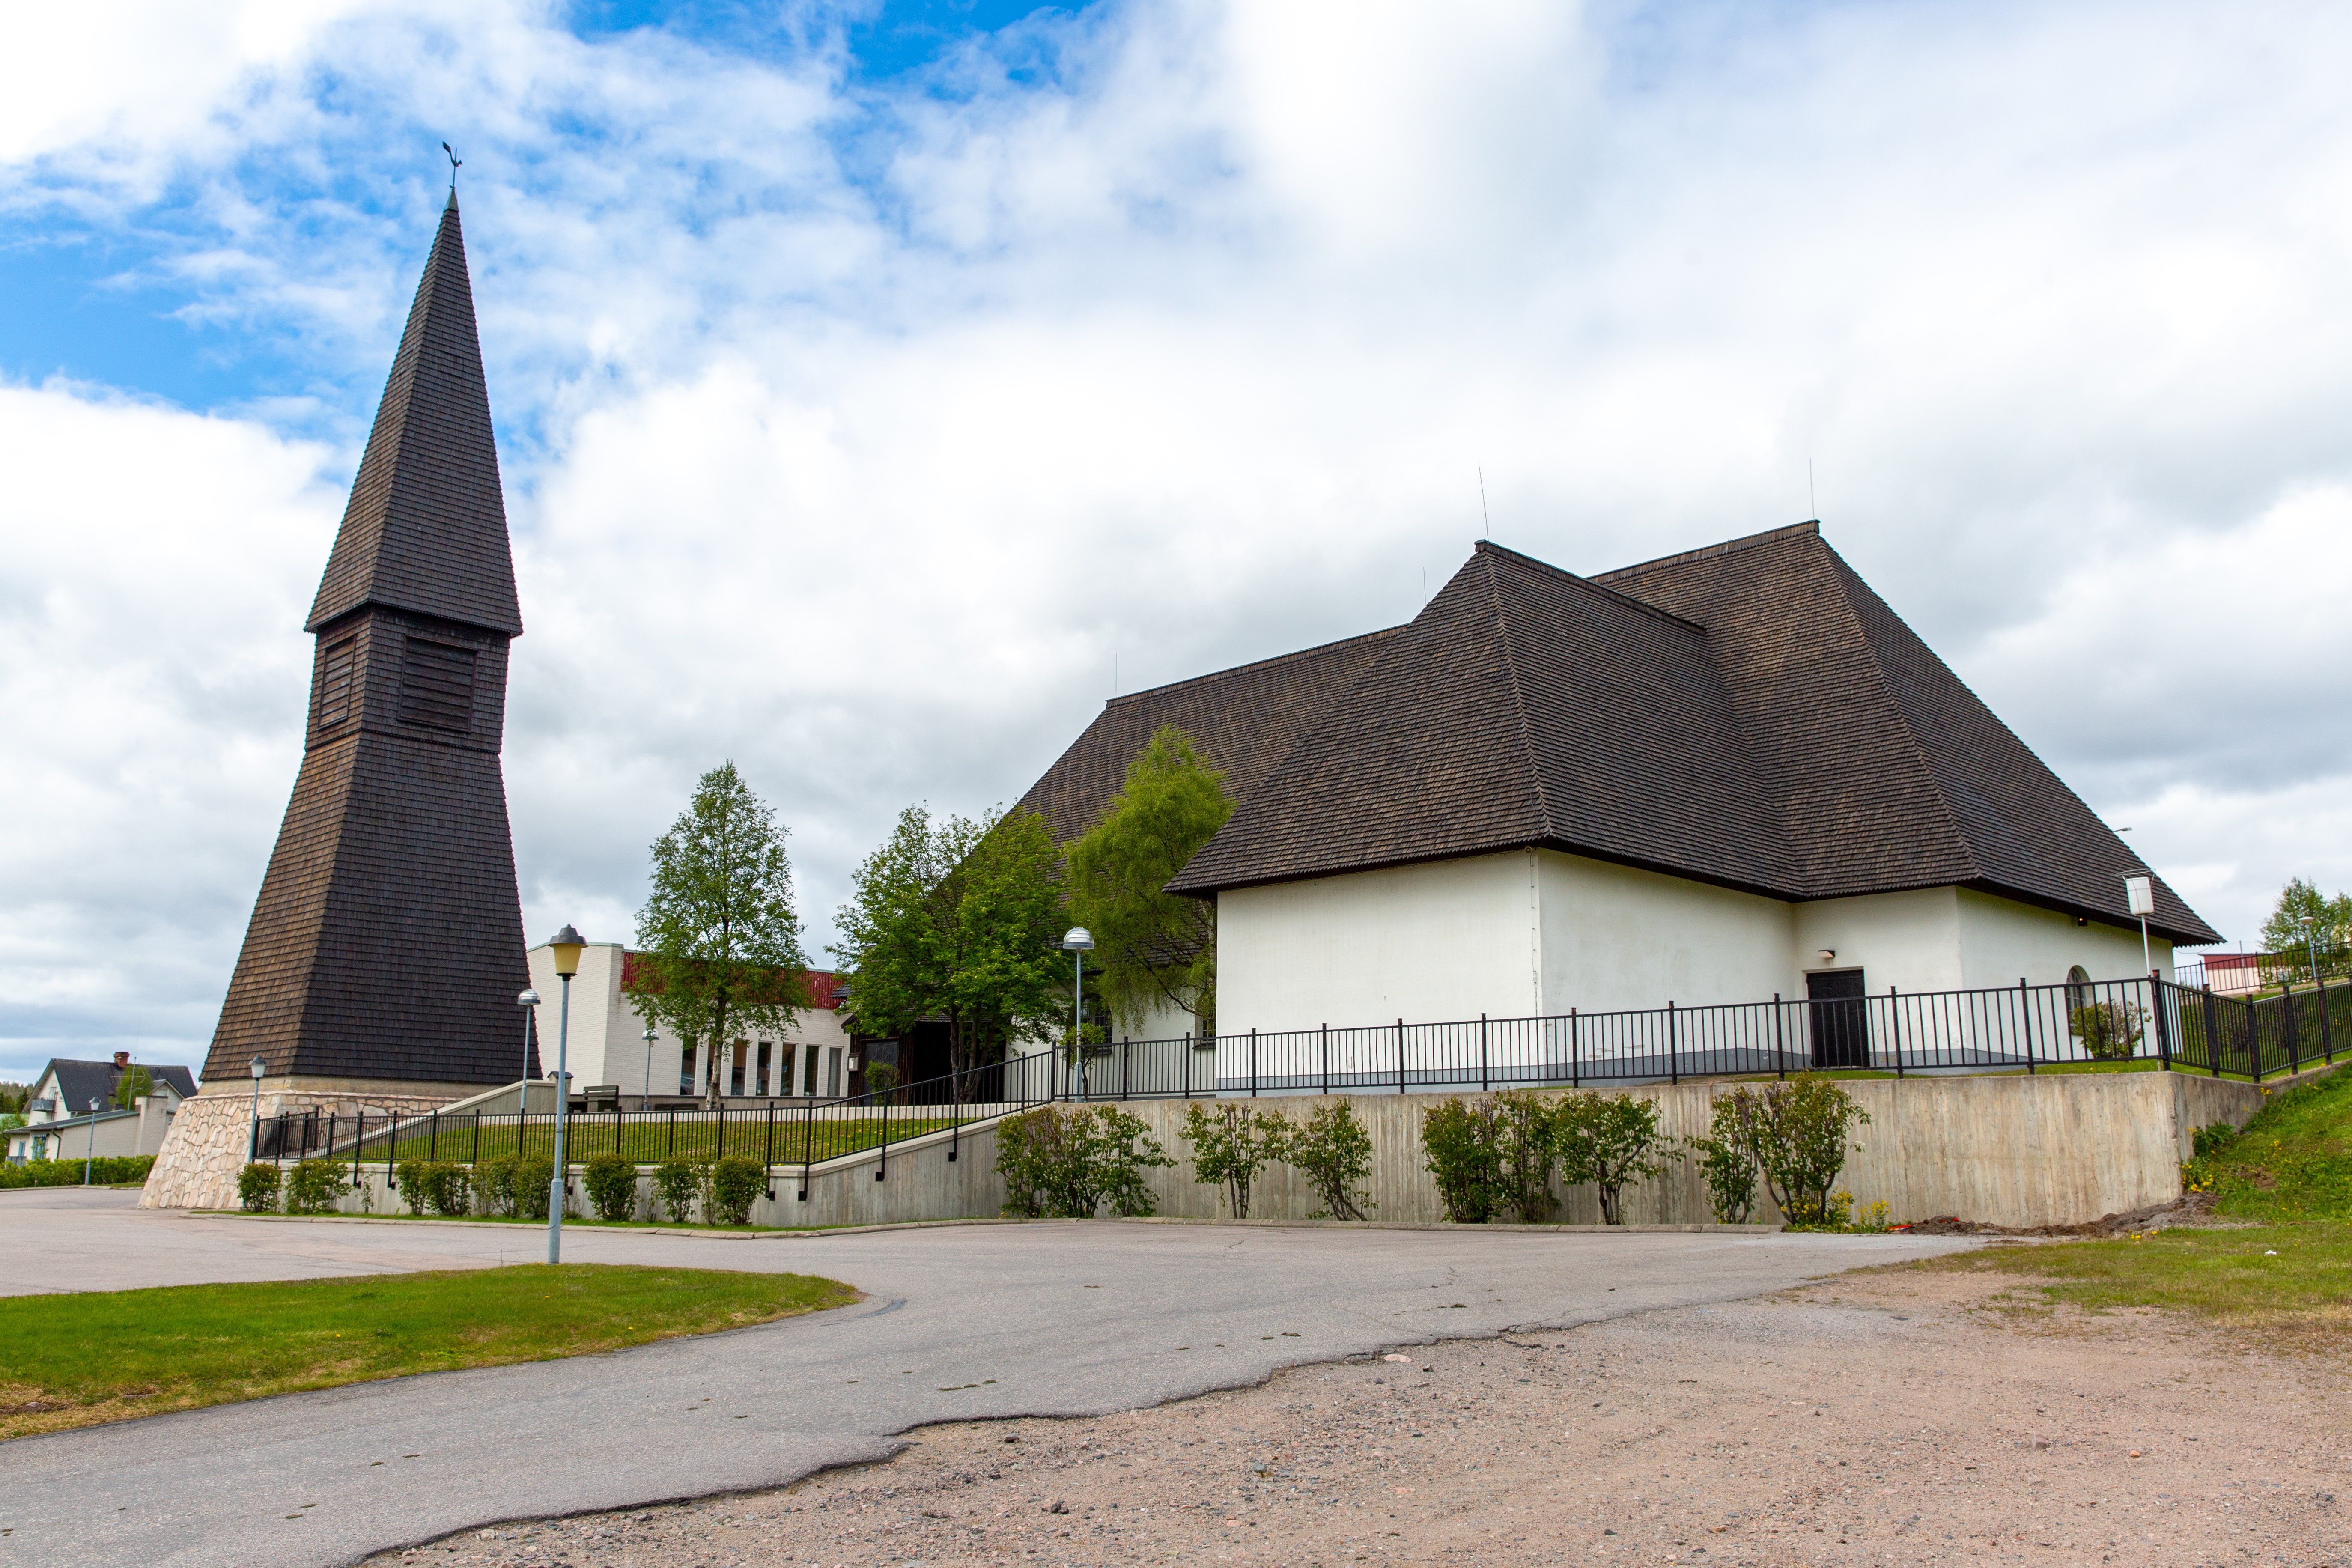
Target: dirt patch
{"points": [[1907, 1417], [2196, 1208]]}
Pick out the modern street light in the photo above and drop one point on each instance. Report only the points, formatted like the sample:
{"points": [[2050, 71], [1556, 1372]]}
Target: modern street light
{"points": [[260, 1069], [565, 946], [1076, 942], [529, 1002], [91, 1153], [2310, 946], [2139, 897], [650, 1032]]}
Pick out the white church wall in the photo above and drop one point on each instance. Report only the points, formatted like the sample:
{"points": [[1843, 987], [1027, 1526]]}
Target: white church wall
{"points": [[1908, 940], [2002, 940], [1614, 937], [1446, 939]]}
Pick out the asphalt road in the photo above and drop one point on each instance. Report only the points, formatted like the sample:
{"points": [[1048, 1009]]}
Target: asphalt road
{"points": [[1057, 1319]]}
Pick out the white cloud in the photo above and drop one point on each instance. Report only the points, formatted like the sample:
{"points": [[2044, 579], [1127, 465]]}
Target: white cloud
{"points": [[852, 432]]}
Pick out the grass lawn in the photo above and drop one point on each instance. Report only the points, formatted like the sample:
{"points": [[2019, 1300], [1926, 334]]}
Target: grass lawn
{"points": [[83, 1359], [2290, 1274], [2302, 1291]]}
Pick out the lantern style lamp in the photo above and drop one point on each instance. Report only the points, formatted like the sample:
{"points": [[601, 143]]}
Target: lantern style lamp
{"points": [[565, 949]]}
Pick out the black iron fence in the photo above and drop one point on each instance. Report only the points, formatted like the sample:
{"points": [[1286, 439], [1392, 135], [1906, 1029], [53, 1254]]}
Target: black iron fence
{"points": [[2230, 973], [2027, 1027], [2123, 1023]]}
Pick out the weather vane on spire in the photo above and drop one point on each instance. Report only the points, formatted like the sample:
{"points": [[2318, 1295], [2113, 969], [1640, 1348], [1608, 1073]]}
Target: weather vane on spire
{"points": [[455, 164]]}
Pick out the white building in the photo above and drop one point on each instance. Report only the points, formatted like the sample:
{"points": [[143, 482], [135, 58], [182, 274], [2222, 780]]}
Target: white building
{"points": [[1725, 776], [60, 1124], [607, 1044]]}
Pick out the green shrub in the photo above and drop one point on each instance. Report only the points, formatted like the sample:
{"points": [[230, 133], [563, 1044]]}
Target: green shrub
{"points": [[881, 1077], [411, 1177], [107, 1170], [1726, 1168], [736, 1182], [2211, 1140], [532, 1177], [494, 1185], [613, 1187], [1527, 1146], [676, 1184], [1230, 1144], [450, 1188], [1460, 1145], [257, 1188], [1066, 1162], [1333, 1152], [1610, 1141], [1796, 1134], [2110, 1031], [313, 1186]]}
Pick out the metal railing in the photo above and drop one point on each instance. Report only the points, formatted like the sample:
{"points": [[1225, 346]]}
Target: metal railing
{"points": [[2027, 1027], [779, 1133], [2238, 972], [2123, 1023]]}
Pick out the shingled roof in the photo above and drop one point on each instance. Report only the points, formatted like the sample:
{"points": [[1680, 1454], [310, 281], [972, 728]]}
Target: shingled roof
{"points": [[1242, 720], [426, 529], [1750, 715]]}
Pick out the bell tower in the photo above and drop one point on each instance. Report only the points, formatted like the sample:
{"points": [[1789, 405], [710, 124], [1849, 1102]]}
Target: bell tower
{"points": [[386, 946]]}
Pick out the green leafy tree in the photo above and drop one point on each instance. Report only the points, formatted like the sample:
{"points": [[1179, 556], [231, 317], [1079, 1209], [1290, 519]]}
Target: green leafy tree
{"points": [[721, 944], [2330, 936], [958, 921], [129, 1086], [1156, 949]]}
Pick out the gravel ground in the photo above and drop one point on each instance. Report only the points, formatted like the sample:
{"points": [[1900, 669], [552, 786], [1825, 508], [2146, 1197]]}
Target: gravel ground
{"points": [[1901, 1416]]}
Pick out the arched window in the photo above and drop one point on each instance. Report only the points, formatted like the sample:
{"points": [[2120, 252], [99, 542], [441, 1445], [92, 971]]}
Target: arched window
{"points": [[2078, 988]]}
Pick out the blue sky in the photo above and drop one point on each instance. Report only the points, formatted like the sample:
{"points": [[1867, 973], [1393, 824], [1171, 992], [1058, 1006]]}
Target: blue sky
{"points": [[870, 380]]}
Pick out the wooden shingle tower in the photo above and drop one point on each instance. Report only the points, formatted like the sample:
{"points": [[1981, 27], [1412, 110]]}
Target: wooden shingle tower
{"points": [[386, 946]]}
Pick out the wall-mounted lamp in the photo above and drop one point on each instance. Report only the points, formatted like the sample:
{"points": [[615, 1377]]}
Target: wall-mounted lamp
{"points": [[1828, 955]]}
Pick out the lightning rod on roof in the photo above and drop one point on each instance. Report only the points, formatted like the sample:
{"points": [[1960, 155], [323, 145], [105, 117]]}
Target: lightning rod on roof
{"points": [[1485, 521], [1812, 501]]}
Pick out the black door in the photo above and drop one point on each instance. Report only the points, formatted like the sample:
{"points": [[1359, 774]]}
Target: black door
{"points": [[1840, 1023]]}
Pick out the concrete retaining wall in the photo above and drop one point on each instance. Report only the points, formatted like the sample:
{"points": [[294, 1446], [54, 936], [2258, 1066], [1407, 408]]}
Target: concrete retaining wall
{"points": [[2047, 1150]]}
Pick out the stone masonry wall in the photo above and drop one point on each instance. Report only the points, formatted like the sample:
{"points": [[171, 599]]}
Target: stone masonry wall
{"points": [[210, 1136]]}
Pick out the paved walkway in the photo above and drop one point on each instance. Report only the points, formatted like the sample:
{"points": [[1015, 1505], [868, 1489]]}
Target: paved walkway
{"points": [[1063, 1318]]}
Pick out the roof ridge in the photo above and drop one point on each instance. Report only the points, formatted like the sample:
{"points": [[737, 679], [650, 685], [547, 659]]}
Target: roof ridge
{"points": [[1724, 547], [1519, 700], [1252, 664], [1488, 547]]}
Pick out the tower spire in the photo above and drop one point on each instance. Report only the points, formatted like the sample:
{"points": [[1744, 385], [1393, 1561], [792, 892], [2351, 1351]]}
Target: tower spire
{"points": [[386, 943], [427, 526]]}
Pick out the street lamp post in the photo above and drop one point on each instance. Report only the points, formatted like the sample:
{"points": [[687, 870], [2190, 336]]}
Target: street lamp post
{"points": [[1075, 942], [90, 1154], [2139, 897], [2310, 946], [260, 1069], [647, 1104], [529, 1002], [565, 946]]}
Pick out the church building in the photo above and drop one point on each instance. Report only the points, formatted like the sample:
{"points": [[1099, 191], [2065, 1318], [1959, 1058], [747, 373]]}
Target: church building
{"points": [[1722, 776]]}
